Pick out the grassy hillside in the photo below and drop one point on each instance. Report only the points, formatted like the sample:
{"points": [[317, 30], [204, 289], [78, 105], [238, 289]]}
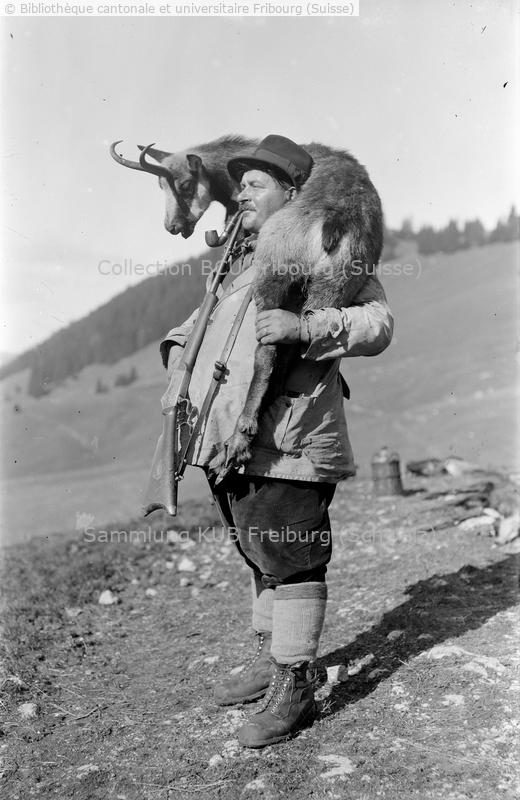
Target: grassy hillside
{"points": [[445, 386], [120, 327], [447, 382]]}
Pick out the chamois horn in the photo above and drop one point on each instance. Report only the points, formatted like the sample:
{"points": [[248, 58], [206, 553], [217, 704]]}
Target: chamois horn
{"points": [[155, 169], [142, 165], [124, 161]]}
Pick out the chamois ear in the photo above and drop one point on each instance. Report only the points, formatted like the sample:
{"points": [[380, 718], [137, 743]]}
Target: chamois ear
{"points": [[194, 163], [159, 155]]}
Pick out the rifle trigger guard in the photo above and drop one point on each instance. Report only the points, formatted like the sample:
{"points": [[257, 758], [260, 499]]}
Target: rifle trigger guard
{"points": [[219, 370]]}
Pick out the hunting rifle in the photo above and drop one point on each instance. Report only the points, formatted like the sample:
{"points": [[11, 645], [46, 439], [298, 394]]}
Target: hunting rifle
{"points": [[169, 461]]}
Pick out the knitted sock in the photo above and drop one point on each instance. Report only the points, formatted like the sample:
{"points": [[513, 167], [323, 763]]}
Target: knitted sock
{"points": [[262, 605], [298, 615]]}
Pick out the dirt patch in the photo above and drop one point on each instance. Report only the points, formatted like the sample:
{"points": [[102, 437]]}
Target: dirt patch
{"points": [[118, 697]]}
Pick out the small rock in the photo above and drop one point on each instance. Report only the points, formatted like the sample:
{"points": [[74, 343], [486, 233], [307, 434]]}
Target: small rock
{"points": [[195, 592], [87, 769], [184, 581], [453, 700], [214, 760], [236, 670], [187, 544], [186, 565], [231, 748], [341, 765], [151, 592], [323, 692], [356, 666], [256, 785], [393, 635], [458, 466], [72, 613], [222, 585], [211, 659], [445, 651], [491, 663], [478, 669], [376, 673], [425, 636], [337, 674], [474, 523], [107, 598], [508, 529], [169, 564], [28, 710]]}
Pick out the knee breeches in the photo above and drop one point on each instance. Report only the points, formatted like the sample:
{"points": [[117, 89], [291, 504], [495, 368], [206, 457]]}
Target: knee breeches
{"points": [[280, 527]]}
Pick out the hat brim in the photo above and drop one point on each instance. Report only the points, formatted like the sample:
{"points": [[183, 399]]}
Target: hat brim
{"points": [[237, 166]]}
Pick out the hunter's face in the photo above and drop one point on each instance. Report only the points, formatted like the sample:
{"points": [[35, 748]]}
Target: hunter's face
{"points": [[260, 196]]}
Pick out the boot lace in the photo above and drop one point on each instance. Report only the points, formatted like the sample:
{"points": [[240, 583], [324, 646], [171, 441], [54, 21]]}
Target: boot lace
{"points": [[252, 659], [277, 688]]}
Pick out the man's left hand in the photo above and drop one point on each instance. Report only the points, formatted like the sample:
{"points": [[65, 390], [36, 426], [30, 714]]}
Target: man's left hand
{"points": [[277, 327]]}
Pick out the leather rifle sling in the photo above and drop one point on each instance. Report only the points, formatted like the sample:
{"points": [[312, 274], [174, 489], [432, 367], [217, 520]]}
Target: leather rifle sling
{"points": [[218, 372]]}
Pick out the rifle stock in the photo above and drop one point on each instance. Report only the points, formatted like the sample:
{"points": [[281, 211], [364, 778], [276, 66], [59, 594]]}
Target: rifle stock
{"points": [[161, 491], [167, 467]]}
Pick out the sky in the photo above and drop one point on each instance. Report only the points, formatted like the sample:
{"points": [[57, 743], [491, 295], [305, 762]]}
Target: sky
{"points": [[423, 93]]}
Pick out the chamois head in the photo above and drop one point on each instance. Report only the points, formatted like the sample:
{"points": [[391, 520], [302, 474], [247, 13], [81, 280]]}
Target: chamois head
{"points": [[183, 179]]}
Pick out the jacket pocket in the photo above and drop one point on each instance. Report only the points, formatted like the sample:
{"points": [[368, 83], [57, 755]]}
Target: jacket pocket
{"points": [[283, 424], [320, 447]]}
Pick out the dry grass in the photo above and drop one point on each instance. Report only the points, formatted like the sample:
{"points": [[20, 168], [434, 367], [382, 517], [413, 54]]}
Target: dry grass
{"points": [[124, 691]]}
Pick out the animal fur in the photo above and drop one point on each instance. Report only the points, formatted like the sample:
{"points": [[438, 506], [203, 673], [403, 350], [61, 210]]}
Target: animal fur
{"points": [[315, 252]]}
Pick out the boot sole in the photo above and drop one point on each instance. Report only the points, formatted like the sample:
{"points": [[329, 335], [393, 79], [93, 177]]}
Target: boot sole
{"points": [[306, 722], [242, 700]]}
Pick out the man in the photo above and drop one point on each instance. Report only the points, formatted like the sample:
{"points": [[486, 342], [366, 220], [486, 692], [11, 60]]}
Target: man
{"points": [[278, 509]]}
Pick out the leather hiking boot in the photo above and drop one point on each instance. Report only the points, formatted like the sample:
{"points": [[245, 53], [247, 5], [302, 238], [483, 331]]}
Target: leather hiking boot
{"points": [[252, 682], [288, 707]]}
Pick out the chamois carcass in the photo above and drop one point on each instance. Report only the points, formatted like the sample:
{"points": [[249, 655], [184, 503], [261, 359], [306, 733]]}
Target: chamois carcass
{"points": [[315, 252]]}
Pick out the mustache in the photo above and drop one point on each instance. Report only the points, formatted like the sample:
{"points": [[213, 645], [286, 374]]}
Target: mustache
{"points": [[246, 207]]}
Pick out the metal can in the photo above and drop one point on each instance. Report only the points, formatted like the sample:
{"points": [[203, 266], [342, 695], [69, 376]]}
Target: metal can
{"points": [[386, 473]]}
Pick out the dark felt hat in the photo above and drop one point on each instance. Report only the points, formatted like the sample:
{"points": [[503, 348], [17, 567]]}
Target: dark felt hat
{"points": [[280, 154]]}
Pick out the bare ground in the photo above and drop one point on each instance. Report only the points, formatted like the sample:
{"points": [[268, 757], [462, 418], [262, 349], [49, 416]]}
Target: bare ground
{"points": [[123, 692]]}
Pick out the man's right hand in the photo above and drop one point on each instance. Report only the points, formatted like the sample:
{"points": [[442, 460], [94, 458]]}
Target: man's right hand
{"points": [[279, 327]]}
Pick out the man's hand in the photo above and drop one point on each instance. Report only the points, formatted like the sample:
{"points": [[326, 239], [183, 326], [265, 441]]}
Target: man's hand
{"points": [[277, 327]]}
